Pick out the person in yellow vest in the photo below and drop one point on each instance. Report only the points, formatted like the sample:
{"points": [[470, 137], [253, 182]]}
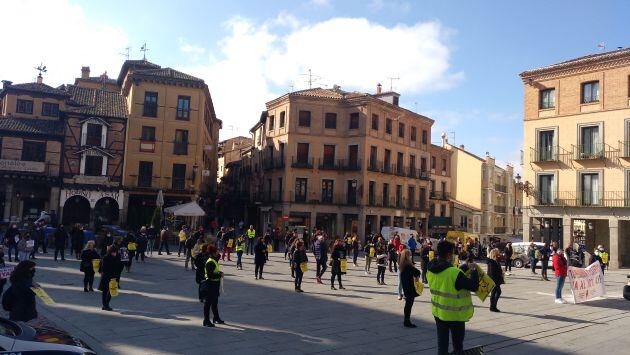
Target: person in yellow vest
{"points": [[251, 240], [183, 235], [451, 303], [604, 255], [240, 246], [211, 286]]}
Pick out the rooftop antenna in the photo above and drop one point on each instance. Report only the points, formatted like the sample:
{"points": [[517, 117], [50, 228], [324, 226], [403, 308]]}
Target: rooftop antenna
{"points": [[310, 78], [452, 134], [41, 69], [126, 53], [144, 50], [292, 86], [391, 82]]}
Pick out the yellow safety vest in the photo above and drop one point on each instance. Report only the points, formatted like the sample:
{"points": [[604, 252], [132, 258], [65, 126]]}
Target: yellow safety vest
{"points": [[216, 275], [251, 233], [182, 236], [240, 245], [604, 256], [447, 303]]}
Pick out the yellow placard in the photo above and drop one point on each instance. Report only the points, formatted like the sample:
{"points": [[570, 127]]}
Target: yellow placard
{"points": [[344, 264], [372, 252], [431, 255], [304, 267], [113, 287], [131, 246], [42, 295], [456, 260], [269, 248], [604, 256], [230, 242], [418, 285], [96, 264], [485, 284]]}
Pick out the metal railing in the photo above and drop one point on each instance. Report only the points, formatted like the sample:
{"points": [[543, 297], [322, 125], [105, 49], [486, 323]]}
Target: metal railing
{"points": [[439, 195], [582, 198], [549, 154], [178, 184], [302, 163], [500, 209], [595, 151], [624, 149], [339, 164], [500, 188]]}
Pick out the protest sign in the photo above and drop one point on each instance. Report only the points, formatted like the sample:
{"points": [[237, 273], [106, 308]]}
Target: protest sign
{"points": [[5, 272], [43, 295], [586, 283]]}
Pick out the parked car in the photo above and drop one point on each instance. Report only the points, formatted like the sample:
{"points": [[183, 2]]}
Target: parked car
{"points": [[19, 337], [115, 230], [520, 258]]}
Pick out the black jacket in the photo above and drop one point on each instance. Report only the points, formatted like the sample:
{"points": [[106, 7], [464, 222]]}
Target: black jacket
{"points": [[462, 282], [299, 256], [60, 237], [336, 256], [23, 301], [9, 236], [86, 260], [406, 279], [260, 251], [110, 269], [495, 273]]}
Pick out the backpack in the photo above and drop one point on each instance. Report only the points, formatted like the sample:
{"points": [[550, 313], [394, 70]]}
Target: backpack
{"points": [[7, 299]]}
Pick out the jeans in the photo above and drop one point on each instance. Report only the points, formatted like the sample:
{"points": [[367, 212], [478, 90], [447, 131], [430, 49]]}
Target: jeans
{"points": [[239, 256], [393, 260], [457, 331], [23, 255], [298, 277], [494, 296], [559, 286], [189, 258], [150, 246], [407, 310], [258, 271], [533, 262], [163, 244], [355, 255], [15, 250], [321, 267], [60, 250], [400, 289], [368, 263], [508, 265], [423, 265], [543, 271], [380, 275], [182, 246], [250, 246]]}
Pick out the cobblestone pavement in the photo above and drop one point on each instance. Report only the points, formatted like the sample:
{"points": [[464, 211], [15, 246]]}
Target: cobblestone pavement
{"points": [[157, 312]]}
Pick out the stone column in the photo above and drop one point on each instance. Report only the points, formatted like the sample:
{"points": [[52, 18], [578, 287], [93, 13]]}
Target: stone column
{"points": [[527, 229], [123, 210], [340, 226], [361, 227], [567, 232], [54, 200], [8, 198], [613, 253]]}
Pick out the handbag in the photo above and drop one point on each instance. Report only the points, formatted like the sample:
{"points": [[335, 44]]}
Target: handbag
{"points": [[96, 265], [269, 248], [132, 246], [343, 265], [304, 266], [419, 286], [113, 287]]}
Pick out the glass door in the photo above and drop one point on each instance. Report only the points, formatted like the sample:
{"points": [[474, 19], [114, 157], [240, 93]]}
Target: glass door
{"points": [[590, 189], [545, 146]]}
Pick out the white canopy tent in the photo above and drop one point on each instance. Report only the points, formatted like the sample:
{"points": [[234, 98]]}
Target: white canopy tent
{"points": [[190, 210]]}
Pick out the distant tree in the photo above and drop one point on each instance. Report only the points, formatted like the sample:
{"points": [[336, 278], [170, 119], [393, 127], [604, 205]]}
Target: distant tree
{"points": [[156, 220]]}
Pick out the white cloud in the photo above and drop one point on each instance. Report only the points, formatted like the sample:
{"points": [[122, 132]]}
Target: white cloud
{"points": [[320, 2], [58, 34], [188, 48], [393, 6], [260, 61]]}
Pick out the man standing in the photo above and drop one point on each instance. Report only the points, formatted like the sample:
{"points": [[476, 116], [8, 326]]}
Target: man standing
{"points": [[545, 252], [183, 235], [251, 240], [164, 235], [321, 257], [424, 259], [228, 243], [151, 237], [60, 242], [451, 303], [532, 253]]}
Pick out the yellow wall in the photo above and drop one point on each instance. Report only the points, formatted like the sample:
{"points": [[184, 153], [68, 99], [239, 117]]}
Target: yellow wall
{"points": [[466, 177]]}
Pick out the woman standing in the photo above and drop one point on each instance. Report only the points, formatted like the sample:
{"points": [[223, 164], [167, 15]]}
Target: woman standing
{"points": [[88, 255], [260, 258], [22, 298], [496, 274], [239, 248], [21, 248], [76, 240], [110, 270], [142, 241], [132, 247], [559, 263], [337, 254], [381, 260], [408, 275], [299, 257], [369, 254], [355, 250], [213, 276], [508, 258]]}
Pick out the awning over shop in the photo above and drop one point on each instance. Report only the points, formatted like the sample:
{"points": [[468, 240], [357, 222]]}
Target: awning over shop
{"points": [[190, 209]]}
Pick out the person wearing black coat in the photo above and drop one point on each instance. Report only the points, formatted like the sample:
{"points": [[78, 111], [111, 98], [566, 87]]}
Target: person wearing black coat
{"points": [[408, 274], [496, 274], [212, 286], [509, 251], [260, 258], [11, 242], [21, 297], [87, 257], [60, 242], [338, 253], [110, 270], [76, 239], [105, 242], [142, 240], [299, 257]]}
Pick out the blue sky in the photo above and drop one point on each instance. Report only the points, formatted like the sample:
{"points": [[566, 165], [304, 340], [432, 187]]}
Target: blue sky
{"points": [[458, 61]]}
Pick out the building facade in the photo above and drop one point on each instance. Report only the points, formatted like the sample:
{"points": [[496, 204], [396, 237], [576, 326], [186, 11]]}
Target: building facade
{"points": [[171, 139], [31, 141], [440, 204], [341, 161], [230, 150], [577, 167]]}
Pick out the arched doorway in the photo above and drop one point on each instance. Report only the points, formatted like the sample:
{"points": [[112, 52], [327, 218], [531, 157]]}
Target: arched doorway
{"points": [[105, 212], [76, 210]]}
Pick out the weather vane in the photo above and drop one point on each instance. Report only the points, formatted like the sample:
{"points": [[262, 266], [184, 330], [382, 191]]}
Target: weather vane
{"points": [[41, 69], [144, 50]]}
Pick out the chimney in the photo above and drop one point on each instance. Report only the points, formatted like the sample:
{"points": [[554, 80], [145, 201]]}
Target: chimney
{"points": [[379, 89], [85, 72], [40, 79], [6, 83], [461, 146], [444, 139]]}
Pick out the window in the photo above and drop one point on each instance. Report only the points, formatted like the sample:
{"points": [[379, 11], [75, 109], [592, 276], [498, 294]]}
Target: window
{"points": [[443, 189], [93, 165], [180, 146], [354, 120], [442, 210], [412, 164], [423, 164], [395, 100], [279, 189], [33, 151], [375, 122], [300, 189], [302, 152], [387, 161], [432, 185], [148, 134], [590, 92], [545, 145], [50, 110], [546, 189], [351, 192], [547, 99], [411, 196], [272, 123], [371, 193], [591, 146], [423, 198], [179, 177], [353, 156], [282, 118], [385, 194], [330, 120], [145, 173], [24, 106], [424, 136], [304, 119], [329, 156], [400, 158], [401, 130], [414, 133], [388, 126], [183, 107], [398, 195], [432, 163], [94, 134], [432, 209], [373, 157], [150, 104], [444, 166], [327, 191], [590, 190]]}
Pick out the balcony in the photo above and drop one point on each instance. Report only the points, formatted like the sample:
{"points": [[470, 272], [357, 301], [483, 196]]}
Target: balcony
{"points": [[275, 163], [595, 151], [147, 146], [329, 164], [399, 170], [178, 184], [374, 166], [146, 181], [548, 154], [439, 195], [500, 209], [500, 230], [425, 175], [582, 199], [301, 163], [624, 149], [180, 148], [500, 188]]}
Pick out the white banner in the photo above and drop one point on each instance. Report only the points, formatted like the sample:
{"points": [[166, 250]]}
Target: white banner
{"points": [[5, 272], [404, 233], [587, 283]]}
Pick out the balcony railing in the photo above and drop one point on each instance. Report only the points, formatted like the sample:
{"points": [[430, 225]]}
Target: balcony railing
{"points": [[325, 199], [595, 151], [440, 195], [338, 164], [374, 166], [178, 184], [302, 163], [399, 170], [180, 148], [500, 209], [500, 188], [145, 181], [582, 198], [624, 149], [147, 146]]}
